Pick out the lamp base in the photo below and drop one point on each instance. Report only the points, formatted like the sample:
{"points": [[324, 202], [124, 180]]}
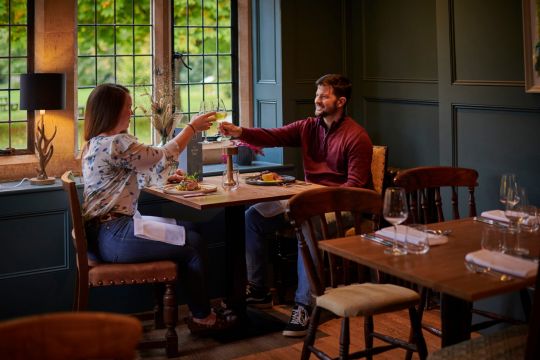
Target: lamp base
{"points": [[47, 181]]}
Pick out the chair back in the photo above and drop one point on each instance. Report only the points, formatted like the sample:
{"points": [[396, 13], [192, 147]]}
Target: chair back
{"points": [[379, 165], [532, 351], [307, 212], [78, 237], [62, 336], [423, 187]]}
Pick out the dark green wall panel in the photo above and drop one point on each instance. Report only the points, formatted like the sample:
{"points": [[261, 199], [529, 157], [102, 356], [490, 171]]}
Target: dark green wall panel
{"points": [[488, 40], [498, 140], [410, 129]]}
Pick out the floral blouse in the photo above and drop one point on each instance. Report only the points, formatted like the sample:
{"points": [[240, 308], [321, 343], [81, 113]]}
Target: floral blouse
{"points": [[116, 168]]}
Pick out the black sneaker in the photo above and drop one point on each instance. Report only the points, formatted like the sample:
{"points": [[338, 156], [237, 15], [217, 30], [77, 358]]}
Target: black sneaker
{"points": [[257, 297], [299, 322]]}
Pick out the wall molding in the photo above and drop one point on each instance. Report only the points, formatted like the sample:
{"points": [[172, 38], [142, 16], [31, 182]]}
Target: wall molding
{"points": [[259, 45]]}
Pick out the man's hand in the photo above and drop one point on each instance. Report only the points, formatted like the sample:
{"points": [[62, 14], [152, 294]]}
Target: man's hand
{"points": [[229, 129]]}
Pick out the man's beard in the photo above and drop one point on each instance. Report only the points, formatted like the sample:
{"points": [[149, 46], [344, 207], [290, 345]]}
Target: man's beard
{"points": [[327, 111]]}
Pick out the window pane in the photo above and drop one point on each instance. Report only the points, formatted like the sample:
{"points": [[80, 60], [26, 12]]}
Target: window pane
{"points": [[180, 40], [224, 12], [180, 13], [18, 41], [16, 113], [195, 97], [82, 97], [4, 16], [4, 134], [105, 70], [194, 12], [19, 133], [195, 41], [18, 67], [196, 72], [124, 74], [18, 12], [86, 71], [86, 40], [210, 41], [105, 40], [210, 69], [210, 91], [210, 13], [124, 11], [143, 70], [144, 40], [142, 12], [85, 11], [224, 40], [143, 129], [4, 38], [225, 68], [182, 93], [105, 11], [141, 100], [124, 40], [4, 75], [225, 93]]}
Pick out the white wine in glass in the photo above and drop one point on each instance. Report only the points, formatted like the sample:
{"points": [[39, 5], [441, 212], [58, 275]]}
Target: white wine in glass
{"points": [[221, 114], [205, 107], [395, 212]]}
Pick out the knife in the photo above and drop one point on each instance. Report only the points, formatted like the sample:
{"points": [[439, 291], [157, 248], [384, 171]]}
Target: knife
{"points": [[489, 221], [377, 239], [195, 194]]}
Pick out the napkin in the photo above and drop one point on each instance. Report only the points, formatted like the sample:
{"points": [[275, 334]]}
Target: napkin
{"points": [[159, 229], [413, 235], [498, 215], [503, 262]]}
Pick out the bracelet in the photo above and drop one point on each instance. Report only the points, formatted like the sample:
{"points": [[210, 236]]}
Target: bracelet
{"points": [[192, 128]]}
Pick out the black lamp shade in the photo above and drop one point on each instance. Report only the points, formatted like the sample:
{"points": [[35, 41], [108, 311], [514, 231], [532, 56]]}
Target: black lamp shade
{"points": [[43, 91]]}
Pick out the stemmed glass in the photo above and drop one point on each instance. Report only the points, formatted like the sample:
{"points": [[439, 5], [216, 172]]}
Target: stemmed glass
{"points": [[221, 114], [516, 205], [508, 181], [395, 212], [205, 107]]}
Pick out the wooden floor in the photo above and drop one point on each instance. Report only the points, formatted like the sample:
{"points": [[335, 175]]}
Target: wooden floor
{"points": [[274, 346]]}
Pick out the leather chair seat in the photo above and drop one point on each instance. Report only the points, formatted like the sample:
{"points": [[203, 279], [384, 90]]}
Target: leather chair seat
{"points": [[140, 273]]}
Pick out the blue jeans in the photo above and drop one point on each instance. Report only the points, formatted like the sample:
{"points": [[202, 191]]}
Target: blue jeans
{"points": [[258, 228], [118, 244]]}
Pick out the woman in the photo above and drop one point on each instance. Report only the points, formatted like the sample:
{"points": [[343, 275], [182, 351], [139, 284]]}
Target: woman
{"points": [[115, 167]]}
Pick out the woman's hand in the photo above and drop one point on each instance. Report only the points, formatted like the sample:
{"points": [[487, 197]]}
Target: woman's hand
{"points": [[228, 129], [203, 122]]}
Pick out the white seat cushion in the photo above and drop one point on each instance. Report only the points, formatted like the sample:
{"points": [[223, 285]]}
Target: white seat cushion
{"points": [[366, 299]]}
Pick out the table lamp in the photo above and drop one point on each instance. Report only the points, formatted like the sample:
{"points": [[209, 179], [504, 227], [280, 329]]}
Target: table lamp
{"points": [[43, 92]]}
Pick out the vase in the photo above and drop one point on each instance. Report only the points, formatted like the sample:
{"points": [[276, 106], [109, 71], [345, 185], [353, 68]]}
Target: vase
{"points": [[244, 157]]}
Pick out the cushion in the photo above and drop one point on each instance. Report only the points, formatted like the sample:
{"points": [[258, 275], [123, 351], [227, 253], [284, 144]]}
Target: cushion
{"points": [[367, 299], [505, 344]]}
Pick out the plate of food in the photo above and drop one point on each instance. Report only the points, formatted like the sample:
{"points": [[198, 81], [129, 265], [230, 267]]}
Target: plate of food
{"points": [[181, 184], [269, 178]]}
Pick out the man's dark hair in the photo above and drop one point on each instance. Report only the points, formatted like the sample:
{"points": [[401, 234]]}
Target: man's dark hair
{"points": [[339, 83]]}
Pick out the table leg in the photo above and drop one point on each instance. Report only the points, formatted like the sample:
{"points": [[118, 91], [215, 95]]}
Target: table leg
{"points": [[456, 317], [236, 276]]}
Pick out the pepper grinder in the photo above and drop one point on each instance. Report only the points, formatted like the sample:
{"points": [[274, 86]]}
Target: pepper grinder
{"points": [[229, 152]]}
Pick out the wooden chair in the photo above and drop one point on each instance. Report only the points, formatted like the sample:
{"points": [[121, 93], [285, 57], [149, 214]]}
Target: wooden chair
{"points": [[70, 336], [92, 274], [515, 342], [285, 251], [307, 212]]}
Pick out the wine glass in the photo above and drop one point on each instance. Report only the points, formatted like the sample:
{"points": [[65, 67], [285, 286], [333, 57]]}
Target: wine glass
{"points": [[221, 114], [516, 213], [507, 181], [205, 107], [395, 212]]}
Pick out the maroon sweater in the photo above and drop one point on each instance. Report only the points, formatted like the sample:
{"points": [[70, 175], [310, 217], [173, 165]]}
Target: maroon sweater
{"points": [[339, 156]]}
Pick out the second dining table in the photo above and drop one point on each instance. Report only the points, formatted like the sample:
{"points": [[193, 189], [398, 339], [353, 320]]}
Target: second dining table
{"points": [[441, 269], [234, 203]]}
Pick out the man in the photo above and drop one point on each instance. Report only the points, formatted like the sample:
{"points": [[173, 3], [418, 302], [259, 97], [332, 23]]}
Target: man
{"points": [[336, 151]]}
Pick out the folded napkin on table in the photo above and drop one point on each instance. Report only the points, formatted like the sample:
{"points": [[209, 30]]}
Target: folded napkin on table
{"points": [[503, 262], [498, 215], [159, 229], [413, 235]]}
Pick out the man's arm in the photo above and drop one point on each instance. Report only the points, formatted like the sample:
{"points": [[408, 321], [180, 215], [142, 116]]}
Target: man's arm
{"points": [[359, 163], [288, 135]]}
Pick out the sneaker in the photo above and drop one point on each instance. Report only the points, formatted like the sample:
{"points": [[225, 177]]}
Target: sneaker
{"points": [[299, 322], [258, 297]]}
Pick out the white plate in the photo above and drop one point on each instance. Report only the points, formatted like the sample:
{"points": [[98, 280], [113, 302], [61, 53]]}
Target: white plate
{"points": [[203, 188]]}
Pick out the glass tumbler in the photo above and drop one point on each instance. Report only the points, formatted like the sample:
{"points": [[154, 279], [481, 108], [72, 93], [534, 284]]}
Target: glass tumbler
{"points": [[230, 181], [417, 239]]}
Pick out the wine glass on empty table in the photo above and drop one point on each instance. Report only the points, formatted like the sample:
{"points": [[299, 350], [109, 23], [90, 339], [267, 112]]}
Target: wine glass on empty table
{"points": [[205, 107], [395, 212], [508, 181]]}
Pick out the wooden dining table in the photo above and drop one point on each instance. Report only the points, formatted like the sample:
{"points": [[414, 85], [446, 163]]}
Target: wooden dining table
{"points": [[441, 269], [234, 204]]}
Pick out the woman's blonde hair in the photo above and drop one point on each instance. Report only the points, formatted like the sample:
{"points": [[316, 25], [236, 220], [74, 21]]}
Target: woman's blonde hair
{"points": [[103, 109]]}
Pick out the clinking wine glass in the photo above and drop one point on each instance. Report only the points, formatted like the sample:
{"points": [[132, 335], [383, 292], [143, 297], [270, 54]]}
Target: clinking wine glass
{"points": [[205, 107], [395, 212], [221, 114]]}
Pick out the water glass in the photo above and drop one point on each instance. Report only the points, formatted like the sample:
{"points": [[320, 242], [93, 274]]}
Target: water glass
{"points": [[417, 239], [508, 182], [230, 182], [492, 239], [532, 223]]}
